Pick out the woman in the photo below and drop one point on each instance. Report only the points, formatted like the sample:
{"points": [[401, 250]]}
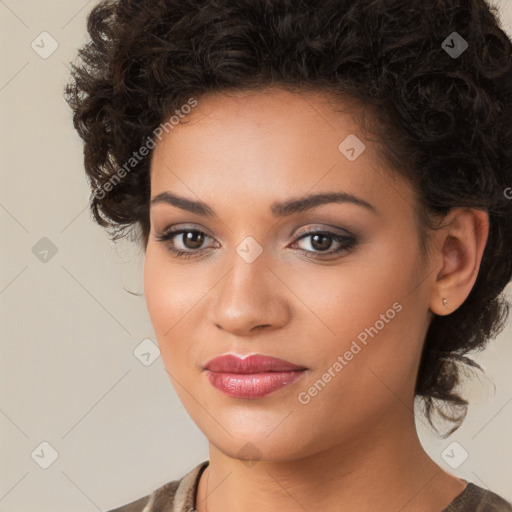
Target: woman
{"points": [[321, 193]]}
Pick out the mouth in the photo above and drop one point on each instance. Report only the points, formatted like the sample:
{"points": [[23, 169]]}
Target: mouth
{"points": [[251, 377]]}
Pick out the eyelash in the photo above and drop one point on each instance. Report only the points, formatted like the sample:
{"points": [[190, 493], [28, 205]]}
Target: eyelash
{"points": [[347, 241]]}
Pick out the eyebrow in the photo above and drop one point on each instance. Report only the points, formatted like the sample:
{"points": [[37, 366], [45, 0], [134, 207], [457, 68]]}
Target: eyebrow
{"points": [[279, 209]]}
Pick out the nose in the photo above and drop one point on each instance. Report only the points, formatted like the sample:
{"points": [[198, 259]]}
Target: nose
{"points": [[250, 298]]}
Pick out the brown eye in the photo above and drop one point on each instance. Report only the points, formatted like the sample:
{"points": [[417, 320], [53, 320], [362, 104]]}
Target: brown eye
{"points": [[321, 242], [185, 243], [193, 239]]}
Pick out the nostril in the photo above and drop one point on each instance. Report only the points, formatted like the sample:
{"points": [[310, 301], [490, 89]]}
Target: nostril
{"points": [[260, 326]]}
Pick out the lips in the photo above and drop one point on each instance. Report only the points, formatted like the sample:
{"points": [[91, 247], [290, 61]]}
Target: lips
{"points": [[252, 364], [251, 377]]}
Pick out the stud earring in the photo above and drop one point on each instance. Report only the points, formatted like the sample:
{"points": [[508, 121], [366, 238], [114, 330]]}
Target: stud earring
{"points": [[445, 303]]}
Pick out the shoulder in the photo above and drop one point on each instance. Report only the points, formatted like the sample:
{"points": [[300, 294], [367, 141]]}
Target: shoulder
{"points": [[477, 499], [175, 495]]}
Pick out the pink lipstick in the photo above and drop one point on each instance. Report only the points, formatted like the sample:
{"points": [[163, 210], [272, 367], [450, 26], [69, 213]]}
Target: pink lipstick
{"points": [[251, 377]]}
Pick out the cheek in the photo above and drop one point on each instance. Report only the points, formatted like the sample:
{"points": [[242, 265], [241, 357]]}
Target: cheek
{"points": [[368, 311], [170, 294], [343, 300], [171, 291]]}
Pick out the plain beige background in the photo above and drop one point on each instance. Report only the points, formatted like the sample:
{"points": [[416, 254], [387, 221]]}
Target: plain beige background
{"points": [[70, 332]]}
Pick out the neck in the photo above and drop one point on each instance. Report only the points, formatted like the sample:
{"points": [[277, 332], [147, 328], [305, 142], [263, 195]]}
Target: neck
{"points": [[384, 468]]}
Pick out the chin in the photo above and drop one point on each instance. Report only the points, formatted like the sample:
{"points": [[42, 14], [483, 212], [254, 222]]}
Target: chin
{"points": [[257, 441]]}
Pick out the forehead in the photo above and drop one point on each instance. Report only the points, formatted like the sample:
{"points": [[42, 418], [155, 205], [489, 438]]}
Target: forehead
{"points": [[267, 143], [273, 116]]}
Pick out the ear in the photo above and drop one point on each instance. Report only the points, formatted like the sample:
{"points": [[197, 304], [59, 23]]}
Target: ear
{"points": [[459, 246]]}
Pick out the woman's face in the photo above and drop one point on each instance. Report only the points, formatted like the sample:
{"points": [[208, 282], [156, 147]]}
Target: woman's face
{"points": [[352, 311]]}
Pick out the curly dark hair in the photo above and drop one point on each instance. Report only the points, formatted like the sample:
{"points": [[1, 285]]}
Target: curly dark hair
{"points": [[442, 121]]}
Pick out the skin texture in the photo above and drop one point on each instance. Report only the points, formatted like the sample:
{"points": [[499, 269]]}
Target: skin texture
{"points": [[355, 442]]}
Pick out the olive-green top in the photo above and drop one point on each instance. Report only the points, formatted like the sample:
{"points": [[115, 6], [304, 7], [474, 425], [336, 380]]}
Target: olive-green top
{"points": [[180, 496]]}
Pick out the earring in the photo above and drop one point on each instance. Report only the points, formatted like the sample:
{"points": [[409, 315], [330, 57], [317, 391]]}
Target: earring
{"points": [[445, 303]]}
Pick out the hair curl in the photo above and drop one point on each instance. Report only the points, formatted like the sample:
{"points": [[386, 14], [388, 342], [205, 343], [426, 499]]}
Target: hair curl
{"points": [[443, 123]]}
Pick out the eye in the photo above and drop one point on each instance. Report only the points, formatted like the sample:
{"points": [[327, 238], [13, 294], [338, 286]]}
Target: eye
{"points": [[320, 242], [188, 242], [184, 242]]}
